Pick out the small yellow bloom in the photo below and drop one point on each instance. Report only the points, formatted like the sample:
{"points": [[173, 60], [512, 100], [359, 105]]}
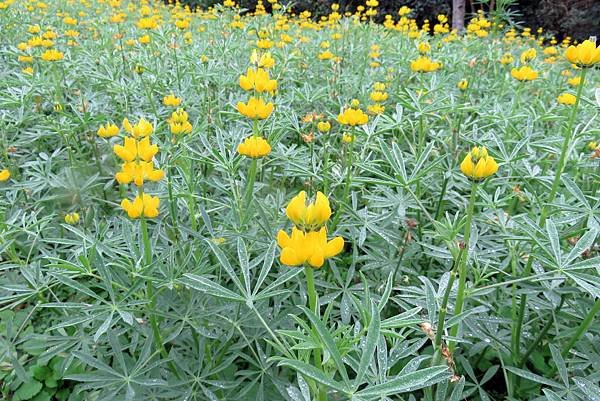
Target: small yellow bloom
{"points": [[258, 80], [326, 55], [507, 59], [108, 130], [592, 145], [463, 84], [138, 172], [133, 149], [524, 73], [255, 109], [424, 47], [4, 175], [27, 70], [348, 138], [309, 216], [353, 117], [575, 81], [477, 164], [424, 64], [323, 126], [376, 108], [72, 218], [378, 96], [311, 247], [566, 98], [52, 55], [585, 54], [141, 129], [528, 55], [144, 205], [171, 100], [178, 123], [254, 146]]}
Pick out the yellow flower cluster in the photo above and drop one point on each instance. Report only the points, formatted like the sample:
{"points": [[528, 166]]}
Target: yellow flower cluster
{"points": [[308, 242], [72, 218], [4, 175], [353, 115], [566, 99], [171, 100], [137, 154], [424, 64], [254, 147], [378, 96], [257, 79], [477, 164], [524, 73], [178, 123], [585, 54]]}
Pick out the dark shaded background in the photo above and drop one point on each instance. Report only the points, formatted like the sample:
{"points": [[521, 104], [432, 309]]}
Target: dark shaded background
{"points": [[576, 18]]}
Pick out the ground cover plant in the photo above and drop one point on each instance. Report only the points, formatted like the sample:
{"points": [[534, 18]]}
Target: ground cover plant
{"points": [[215, 205]]}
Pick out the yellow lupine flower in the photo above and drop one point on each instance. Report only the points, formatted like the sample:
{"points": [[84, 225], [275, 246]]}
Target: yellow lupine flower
{"points": [[574, 81], [133, 149], [353, 117], [463, 84], [311, 247], [424, 47], [347, 138], [141, 129], [108, 130], [138, 172], [52, 55], [171, 100], [507, 59], [378, 96], [255, 109], [566, 98], [4, 175], [308, 216], [323, 126], [477, 164], [424, 64], [528, 55], [376, 108], [144, 205], [178, 123], [258, 80], [254, 146], [524, 73], [72, 218], [585, 54]]}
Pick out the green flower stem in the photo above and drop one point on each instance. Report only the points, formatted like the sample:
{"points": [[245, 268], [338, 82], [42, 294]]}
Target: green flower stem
{"points": [[151, 297], [250, 188], [347, 185], [563, 153], [444, 308], [462, 264], [551, 195], [312, 303]]}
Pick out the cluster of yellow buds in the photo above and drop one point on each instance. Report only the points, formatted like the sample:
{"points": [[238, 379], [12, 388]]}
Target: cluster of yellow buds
{"points": [[308, 242], [137, 154], [378, 96]]}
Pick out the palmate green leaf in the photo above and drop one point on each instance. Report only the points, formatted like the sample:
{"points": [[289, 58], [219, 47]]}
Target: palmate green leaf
{"points": [[370, 343], [559, 362], [313, 373], [210, 287], [584, 243], [405, 383], [328, 342]]}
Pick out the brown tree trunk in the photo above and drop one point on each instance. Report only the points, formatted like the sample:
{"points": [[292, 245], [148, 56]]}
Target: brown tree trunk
{"points": [[458, 15]]}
